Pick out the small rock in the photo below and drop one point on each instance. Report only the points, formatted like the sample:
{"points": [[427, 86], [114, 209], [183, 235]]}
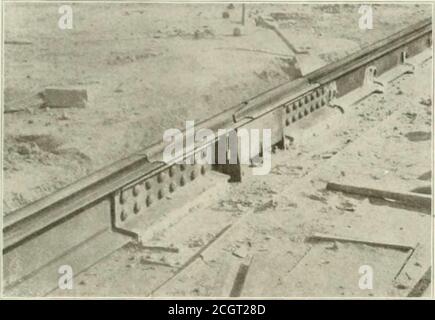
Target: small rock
{"points": [[426, 102], [24, 150], [401, 286], [64, 116], [237, 32], [333, 247]]}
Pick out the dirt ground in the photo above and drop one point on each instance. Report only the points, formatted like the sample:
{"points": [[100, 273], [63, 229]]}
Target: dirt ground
{"points": [[149, 67], [383, 142]]}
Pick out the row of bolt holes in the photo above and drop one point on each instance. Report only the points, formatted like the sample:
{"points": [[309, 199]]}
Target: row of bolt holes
{"points": [[161, 192], [318, 104]]}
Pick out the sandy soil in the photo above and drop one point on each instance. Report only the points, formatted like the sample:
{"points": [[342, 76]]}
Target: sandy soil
{"points": [[383, 142], [148, 68]]}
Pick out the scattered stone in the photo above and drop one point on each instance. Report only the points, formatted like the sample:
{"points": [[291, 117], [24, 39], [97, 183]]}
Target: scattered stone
{"points": [[271, 204], [401, 286], [256, 162], [225, 15], [346, 206], [317, 198], [64, 116], [230, 6], [202, 34], [333, 247], [39, 142], [426, 102], [417, 136], [64, 98], [237, 32], [195, 243], [24, 150], [411, 116]]}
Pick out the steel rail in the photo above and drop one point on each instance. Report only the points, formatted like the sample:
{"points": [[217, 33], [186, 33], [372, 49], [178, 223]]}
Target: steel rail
{"points": [[26, 230]]}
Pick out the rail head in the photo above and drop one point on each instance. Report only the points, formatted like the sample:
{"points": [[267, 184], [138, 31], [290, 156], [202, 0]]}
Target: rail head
{"points": [[371, 52]]}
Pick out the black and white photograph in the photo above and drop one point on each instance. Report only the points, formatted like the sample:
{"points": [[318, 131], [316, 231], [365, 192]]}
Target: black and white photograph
{"points": [[217, 150]]}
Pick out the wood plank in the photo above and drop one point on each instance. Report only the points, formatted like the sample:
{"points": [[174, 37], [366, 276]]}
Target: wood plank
{"points": [[389, 245], [417, 200], [239, 281]]}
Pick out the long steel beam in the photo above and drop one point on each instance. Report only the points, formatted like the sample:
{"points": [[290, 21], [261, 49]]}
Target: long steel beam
{"points": [[87, 215]]}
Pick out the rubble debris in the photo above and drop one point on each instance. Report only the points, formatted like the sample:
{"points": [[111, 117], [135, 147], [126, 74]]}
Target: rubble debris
{"points": [[346, 206], [204, 33], [195, 242], [63, 117], [426, 102], [64, 97], [317, 198], [417, 136], [411, 116], [145, 261], [271, 204], [237, 32]]}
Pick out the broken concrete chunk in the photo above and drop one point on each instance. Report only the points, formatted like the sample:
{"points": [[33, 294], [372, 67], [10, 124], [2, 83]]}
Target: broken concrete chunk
{"points": [[65, 97]]}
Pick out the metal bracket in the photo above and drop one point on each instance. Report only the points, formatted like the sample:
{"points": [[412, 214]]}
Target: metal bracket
{"points": [[371, 85], [134, 201], [405, 67], [308, 103]]}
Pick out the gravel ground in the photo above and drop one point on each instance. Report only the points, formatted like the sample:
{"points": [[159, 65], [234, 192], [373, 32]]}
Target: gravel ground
{"points": [[382, 142]]}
